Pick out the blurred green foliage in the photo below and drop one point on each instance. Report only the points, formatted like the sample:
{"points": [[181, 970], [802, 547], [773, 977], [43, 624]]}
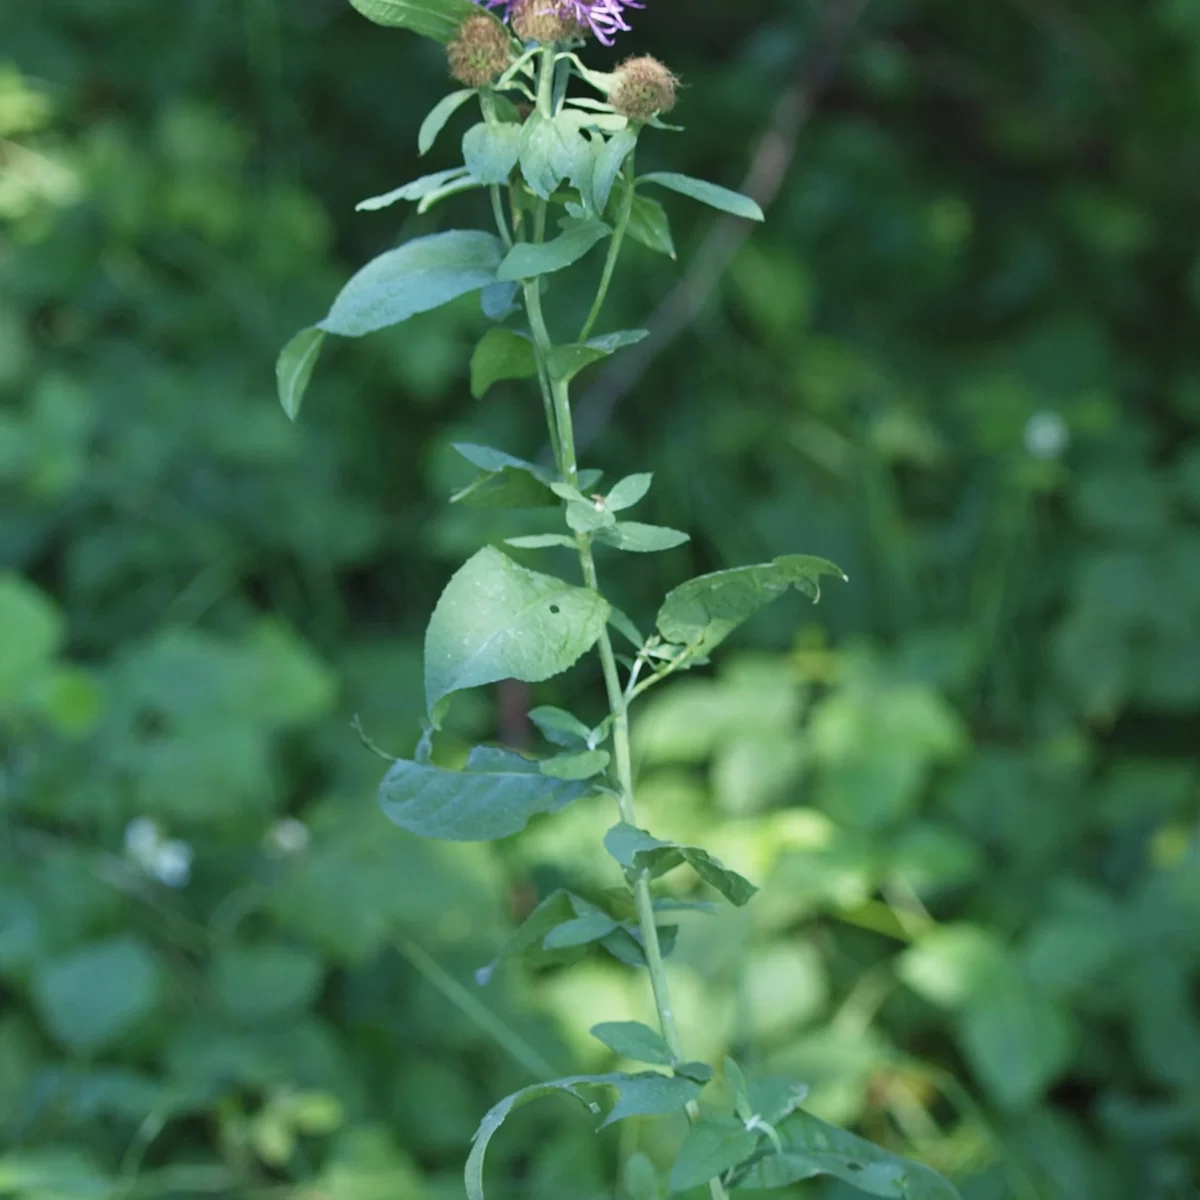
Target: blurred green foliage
{"points": [[960, 360]]}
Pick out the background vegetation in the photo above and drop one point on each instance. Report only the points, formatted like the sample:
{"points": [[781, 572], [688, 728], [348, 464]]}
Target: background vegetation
{"points": [[961, 360]]}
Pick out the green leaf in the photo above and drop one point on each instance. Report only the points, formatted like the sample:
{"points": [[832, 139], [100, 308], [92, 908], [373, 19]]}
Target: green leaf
{"points": [[526, 260], [626, 628], [98, 993], [632, 1039], [707, 193], [704, 611], [584, 517], [497, 620], [463, 184], [608, 165], [649, 1094], [625, 944], [421, 275], [627, 492], [701, 1072], [527, 940], [498, 300], [585, 765], [552, 149], [491, 151], [500, 354], [265, 981], [560, 727], [31, 630], [294, 368], [642, 539], [737, 1085], [506, 482], [636, 850], [418, 189], [580, 931], [567, 361], [542, 541], [641, 1179], [650, 225], [812, 1147], [713, 1145], [494, 796], [439, 114], [437, 19]]}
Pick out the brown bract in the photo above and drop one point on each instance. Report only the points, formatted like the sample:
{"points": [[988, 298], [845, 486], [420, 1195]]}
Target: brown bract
{"points": [[643, 88], [545, 21], [480, 52]]}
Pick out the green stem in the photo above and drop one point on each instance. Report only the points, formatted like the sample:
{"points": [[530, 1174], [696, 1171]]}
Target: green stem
{"points": [[614, 248], [498, 213]]}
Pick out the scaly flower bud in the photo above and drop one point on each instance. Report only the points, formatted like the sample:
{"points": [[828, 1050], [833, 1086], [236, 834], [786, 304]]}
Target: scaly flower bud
{"points": [[545, 21], [480, 53], [643, 88]]}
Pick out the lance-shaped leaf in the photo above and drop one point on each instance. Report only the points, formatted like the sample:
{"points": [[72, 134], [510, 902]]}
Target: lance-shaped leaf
{"points": [[638, 538], [811, 1147], [650, 225], [437, 117], [608, 165], [505, 482], [636, 850], [294, 368], [707, 193], [704, 611], [418, 189], [529, 259], [437, 19], [567, 361], [501, 354], [637, 1095], [420, 275], [497, 620], [494, 796]]}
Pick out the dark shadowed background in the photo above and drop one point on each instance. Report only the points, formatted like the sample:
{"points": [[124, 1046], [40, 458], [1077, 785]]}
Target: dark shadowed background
{"points": [[961, 359]]}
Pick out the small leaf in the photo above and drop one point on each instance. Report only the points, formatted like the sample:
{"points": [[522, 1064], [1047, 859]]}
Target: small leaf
{"points": [[707, 193], [626, 628], [437, 19], [585, 765], [507, 482], [713, 1145], [526, 941], [542, 541], [490, 151], [651, 1095], [498, 300], [701, 1072], [608, 165], [642, 539], [636, 850], [294, 368], [418, 189], [439, 114], [567, 361], [552, 149], [496, 620], [649, 224], [526, 260], [704, 611], [584, 517], [641, 1179], [435, 197], [494, 796], [632, 1039], [625, 493], [737, 1085], [625, 946], [560, 727], [500, 354], [579, 931], [812, 1147], [421, 275]]}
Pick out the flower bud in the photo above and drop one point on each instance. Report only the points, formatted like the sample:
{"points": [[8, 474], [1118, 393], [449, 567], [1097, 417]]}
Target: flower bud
{"points": [[643, 88], [480, 53], [546, 21]]}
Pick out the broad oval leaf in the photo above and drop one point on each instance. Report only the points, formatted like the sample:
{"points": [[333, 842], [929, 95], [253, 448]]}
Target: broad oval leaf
{"points": [[294, 368], [707, 193], [703, 612], [437, 19], [500, 354], [812, 1147], [421, 275], [490, 151], [494, 796], [437, 117], [625, 493], [418, 189], [642, 539], [526, 260], [497, 620]]}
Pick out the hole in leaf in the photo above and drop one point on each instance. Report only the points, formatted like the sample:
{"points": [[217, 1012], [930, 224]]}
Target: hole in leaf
{"points": [[555, 609]]}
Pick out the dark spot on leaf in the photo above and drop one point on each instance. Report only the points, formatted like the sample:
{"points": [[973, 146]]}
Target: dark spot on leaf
{"points": [[555, 609]]}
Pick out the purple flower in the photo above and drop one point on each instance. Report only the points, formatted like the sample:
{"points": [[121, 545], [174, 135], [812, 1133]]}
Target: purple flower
{"points": [[603, 17]]}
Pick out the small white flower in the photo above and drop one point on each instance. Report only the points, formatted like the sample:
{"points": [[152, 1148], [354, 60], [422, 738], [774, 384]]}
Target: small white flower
{"points": [[172, 863], [1046, 435], [289, 836], [142, 840]]}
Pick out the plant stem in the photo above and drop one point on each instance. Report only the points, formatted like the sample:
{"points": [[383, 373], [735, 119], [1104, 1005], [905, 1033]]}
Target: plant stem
{"points": [[614, 247]]}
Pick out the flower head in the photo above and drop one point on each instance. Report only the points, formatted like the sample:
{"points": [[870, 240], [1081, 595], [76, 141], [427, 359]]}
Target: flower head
{"points": [[643, 88], [604, 18], [480, 52]]}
